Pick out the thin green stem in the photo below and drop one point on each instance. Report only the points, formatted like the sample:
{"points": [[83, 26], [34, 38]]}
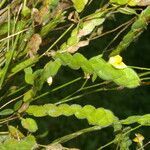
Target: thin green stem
{"points": [[9, 102], [13, 93], [106, 145], [76, 134], [57, 88], [144, 146], [57, 41], [114, 140], [81, 95], [132, 129], [115, 38], [25, 3], [148, 78], [12, 35], [4, 133], [95, 85], [9, 119], [16, 91], [111, 31], [140, 68], [80, 89], [144, 74], [2, 3]]}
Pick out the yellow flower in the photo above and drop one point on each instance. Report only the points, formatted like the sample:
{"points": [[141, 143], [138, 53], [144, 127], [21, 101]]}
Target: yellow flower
{"points": [[116, 61], [139, 138]]}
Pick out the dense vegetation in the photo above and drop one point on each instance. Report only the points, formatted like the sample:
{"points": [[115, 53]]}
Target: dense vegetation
{"points": [[70, 67]]}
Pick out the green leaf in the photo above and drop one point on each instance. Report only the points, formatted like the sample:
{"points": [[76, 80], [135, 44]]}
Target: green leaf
{"points": [[37, 111], [9, 56], [51, 69], [65, 110], [83, 63], [120, 2], [100, 116], [79, 4], [15, 132], [17, 105], [29, 78], [21, 66], [85, 112], [38, 80], [3, 138], [29, 124], [6, 112], [52, 24], [144, 120], [130, 120], [88, 26], [3, 28], [27, 143], [25, 11], [125, 2], [66, 59], [28, 95], [124, 77], [129, 78], [122, 139], [23, 107], [127, 11]]}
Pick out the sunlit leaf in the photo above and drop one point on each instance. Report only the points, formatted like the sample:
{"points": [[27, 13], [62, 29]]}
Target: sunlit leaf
{"points": [[79, 5], [15, 133], [29, 124], [29, 78], [27, 143], [99, 116]]}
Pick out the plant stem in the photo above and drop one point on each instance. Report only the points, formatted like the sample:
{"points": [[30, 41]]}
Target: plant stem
{"points": [[57, 88], [57, 41], [95, 85], [76, 134], [2, 3], [148, 78], [144, 74], [111, 142], [64, 100], [9, 119], [9, 102], [140, 68], [102, 147]]}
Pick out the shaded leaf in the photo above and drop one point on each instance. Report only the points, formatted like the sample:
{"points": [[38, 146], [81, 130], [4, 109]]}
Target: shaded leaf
{"points": [[6, 112], [17, 105], [24, 64]]}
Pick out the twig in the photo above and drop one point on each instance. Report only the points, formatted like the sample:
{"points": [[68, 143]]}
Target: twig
{"points": [[9, 102]]}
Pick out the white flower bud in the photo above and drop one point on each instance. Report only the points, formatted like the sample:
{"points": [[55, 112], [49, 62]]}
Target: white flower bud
{"points": [[49, 80]]}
